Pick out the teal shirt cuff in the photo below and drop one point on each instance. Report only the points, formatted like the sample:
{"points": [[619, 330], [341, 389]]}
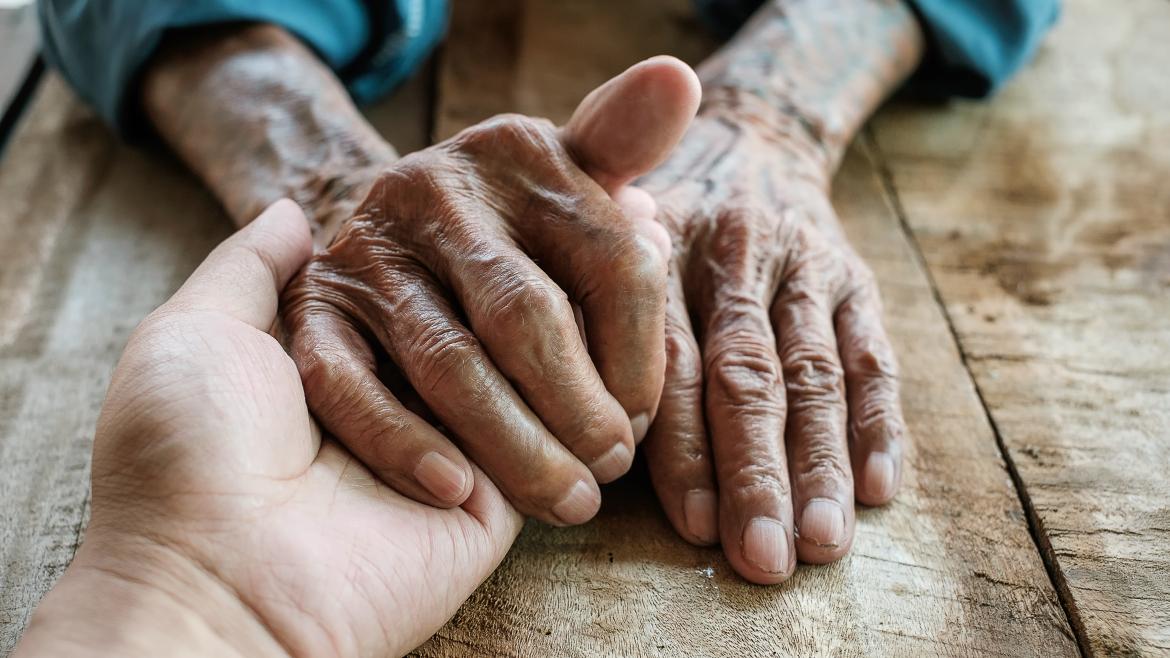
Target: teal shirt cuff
{"points": [[974, 46], [101, 46]]}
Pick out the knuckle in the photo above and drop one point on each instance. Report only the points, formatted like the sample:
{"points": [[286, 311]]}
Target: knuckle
{"points": [[521, 305], [863, 277], [873, 359], [635, 279], [860, 288], [314, 291], [822, 463], [507, 132], [639, 265], [813, 375], [759, 481], [879, 414], [682, 357], [321, 372], [337, 392], [805, 292], [420, 189], [442, 356], [598, 429], [745, 372]]}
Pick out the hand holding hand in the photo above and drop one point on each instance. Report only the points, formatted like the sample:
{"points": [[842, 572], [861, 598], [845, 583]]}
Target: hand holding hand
{"points": [[458, 280], [223, 524]]}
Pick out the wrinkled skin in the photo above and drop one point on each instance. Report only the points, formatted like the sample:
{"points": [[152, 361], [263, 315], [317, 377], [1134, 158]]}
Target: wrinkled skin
{"points": [[780, 389], [212, 484], [462, 273], [781, 386]]}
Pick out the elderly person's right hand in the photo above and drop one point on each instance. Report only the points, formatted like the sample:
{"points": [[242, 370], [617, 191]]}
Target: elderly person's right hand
{"points": [[459, 277]]}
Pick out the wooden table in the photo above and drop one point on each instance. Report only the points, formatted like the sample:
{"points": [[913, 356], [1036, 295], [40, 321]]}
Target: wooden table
{"points": [[1023, 250]]}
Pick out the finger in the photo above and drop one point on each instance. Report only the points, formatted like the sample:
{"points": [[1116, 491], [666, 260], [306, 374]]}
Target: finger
{"points": [[244, 275], [449, 368], [491, 510], [745, 415], [641, 208], [620, 131], [529, 329], [619, 279], [346, 397], [677, 451], [876, 428], [818, 460], [629, 125]]}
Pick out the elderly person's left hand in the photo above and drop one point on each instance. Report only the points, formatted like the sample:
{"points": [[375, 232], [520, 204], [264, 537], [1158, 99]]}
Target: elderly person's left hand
{"points": [[780, 407], [223, 524]]}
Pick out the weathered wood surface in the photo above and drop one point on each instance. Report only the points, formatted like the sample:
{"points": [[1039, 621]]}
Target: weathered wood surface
{"points": [[96, 234], [948, 569], [1045, 219]]}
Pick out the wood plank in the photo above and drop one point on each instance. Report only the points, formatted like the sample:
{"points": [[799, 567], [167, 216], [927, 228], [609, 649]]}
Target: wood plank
{"points": [[1045, 219], [96, 235], [948, 569]]}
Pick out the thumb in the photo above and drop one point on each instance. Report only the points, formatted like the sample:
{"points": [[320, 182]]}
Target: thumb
{"points": [[629, 125], [244, 275]]}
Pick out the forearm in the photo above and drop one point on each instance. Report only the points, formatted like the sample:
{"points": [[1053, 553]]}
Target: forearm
{"points": [[258, 117], [150, 603], [808, 73]]}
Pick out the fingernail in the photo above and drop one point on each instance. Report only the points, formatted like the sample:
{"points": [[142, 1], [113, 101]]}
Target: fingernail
{"points": [[823, 523], [640, 424], [880, 476], [613, 464], [579, 505], [441, 476], [699, 512], [765, 544]]}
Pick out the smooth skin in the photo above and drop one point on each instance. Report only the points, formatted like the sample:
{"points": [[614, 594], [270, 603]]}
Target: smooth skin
{"points": [[223, 524]]}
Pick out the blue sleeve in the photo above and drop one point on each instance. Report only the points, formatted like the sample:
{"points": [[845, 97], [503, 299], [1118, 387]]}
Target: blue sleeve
{"points": [[100, 46], [974, 46]]}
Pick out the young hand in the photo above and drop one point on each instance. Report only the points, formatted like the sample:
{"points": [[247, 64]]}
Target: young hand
{"points": [[223, 523]]}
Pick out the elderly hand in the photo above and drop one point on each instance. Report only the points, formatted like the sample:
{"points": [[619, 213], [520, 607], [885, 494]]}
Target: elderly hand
{"points": [[781, 397], [464, 267], [223, 524]]}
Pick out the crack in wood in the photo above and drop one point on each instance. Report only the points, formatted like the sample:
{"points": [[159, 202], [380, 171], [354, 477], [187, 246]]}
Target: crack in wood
{"points": [[1035, 523]]}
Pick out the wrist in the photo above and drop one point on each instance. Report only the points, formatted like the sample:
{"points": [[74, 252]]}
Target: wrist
{"points": [[790, 143], [329, 197], [135, 597], [817, 67], [731, 150], [259, 117]]}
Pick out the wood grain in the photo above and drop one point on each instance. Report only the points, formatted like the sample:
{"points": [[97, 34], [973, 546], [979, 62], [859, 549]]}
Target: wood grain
{"points": [[1045, 219], [96, 234], [948, 569]]}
